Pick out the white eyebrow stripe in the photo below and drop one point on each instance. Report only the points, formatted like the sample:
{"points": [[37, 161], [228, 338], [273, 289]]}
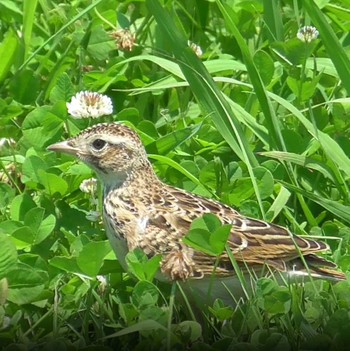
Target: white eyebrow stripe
{"points": [[111, 139]]}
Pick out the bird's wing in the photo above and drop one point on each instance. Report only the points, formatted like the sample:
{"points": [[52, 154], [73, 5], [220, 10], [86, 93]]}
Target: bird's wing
{"points": [[251, 240]]}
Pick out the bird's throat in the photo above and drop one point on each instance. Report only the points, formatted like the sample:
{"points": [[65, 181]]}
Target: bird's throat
{"points": [[132, 178]]}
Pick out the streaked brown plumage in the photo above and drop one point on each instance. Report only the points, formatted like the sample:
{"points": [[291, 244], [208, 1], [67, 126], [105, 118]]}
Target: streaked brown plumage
{"points": [[142, 211]]}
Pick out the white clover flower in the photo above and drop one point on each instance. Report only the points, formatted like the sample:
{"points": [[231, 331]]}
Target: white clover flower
{"points": [[307, 34], [88, 186], [87, 104], [196, 48]]}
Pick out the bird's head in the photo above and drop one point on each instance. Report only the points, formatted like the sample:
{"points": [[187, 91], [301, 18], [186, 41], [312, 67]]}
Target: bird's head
{"points": [[113, 150]]}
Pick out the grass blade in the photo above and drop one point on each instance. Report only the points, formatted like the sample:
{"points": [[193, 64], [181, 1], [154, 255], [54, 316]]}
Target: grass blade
{"points": [[331, 42], [62, 29], [273, 20], [260, 91], [29, 7], [205, 90], [338, 209]]}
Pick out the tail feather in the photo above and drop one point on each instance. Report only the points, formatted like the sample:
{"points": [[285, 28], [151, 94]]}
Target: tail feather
{"points": [[317, 267]]}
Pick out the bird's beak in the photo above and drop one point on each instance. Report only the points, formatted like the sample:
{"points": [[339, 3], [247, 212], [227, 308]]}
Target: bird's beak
{"points": [[64, 147]]}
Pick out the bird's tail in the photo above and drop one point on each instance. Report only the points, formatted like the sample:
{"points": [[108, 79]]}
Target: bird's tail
{"points": [[317, 267]]}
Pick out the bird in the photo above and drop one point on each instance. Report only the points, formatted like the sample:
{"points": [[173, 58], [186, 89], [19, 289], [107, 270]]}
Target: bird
{"points": [[140, 211]]}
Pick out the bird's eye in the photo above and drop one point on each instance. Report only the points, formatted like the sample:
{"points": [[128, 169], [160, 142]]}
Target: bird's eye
{"points": [[98, 144]]}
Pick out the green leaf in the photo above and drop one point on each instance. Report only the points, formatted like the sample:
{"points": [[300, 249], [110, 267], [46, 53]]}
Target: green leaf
{"points": [[26, 276], [264, 65], [279, 203], [7, 6], [208, 222], [128, 312], [243, 188], [45, 229], [23, 237], [302, 160], [265, 286], [8, 50], [303, 90], [330, 146], [152, 267], [272, 122], [68, 264], [144, 294], [3, 291], [220, 311], [276, 342], [63, 28], [63, 90], [23, 296], [264, 180], [26, 284], [170, 162], [34, 217], [142, 326], [20, 205], [91, 257], [277, 302], [190, 330], [8, 255], [171, 141], [40, 228], [339, 324], [123, 21], [142, 267], [199, 239], [158, 314], [41, 126], [53, 183], [6, 195], [31, 166], [219, 238], [25, 86], [208, 235], [100, 44], [8, 227], [293, 51]]}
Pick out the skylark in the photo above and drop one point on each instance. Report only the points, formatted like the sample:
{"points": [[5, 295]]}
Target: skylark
{"points": [[140, 211]]}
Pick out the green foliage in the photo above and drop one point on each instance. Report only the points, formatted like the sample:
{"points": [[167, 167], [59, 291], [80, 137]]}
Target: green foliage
{"points": [[259, 121], [142, 267], [208, 235]]}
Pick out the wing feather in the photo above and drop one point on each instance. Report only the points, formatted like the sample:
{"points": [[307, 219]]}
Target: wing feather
{"points": [[251, 240]]}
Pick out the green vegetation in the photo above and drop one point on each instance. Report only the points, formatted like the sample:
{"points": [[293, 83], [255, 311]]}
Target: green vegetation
{"points": [[260, 121]]}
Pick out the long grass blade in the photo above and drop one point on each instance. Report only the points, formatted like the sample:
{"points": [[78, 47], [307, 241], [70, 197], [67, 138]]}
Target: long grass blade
{"points": [[331, 42], [277, 141], [56, 34], [29, 7], [340, 210], [273, 20], [206, 92]]}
